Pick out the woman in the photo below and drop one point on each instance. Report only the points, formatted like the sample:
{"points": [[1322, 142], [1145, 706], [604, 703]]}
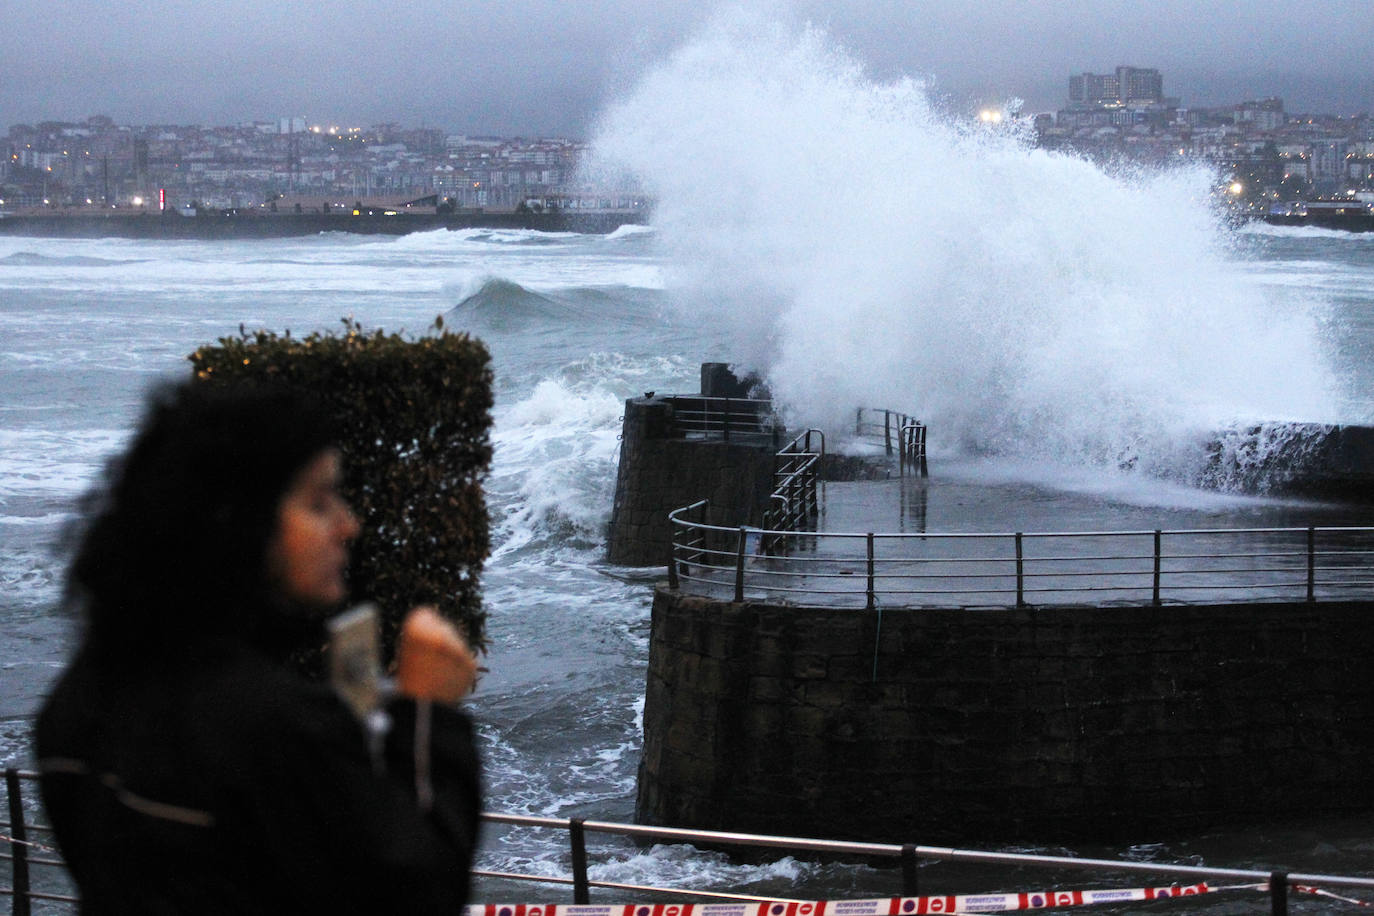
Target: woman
{"points": [[187, 766]]}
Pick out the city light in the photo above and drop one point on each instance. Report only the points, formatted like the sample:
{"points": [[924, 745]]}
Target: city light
{"points": [[1237, 188]]}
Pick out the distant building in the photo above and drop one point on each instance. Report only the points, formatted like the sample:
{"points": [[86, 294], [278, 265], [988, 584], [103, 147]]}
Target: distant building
{"points": [[1127, 87], [1266, 114], [1328, 160]]}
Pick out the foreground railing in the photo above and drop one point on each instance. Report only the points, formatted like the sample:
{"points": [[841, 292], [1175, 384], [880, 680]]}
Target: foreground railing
{"points": [[1020, 568], [1276, 883]]}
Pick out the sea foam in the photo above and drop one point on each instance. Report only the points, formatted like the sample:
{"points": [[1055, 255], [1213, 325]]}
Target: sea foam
{"points": [[869, 249]]}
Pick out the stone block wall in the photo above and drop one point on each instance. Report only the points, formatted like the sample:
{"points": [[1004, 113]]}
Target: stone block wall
{"points": [[986, 726], [659, 473]]}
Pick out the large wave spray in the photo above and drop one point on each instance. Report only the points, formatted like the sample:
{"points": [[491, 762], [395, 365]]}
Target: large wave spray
{"points": [[871, 251]]}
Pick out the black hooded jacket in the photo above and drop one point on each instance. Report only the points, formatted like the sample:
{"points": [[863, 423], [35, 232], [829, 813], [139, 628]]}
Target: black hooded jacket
{"points": [[225, 782]]}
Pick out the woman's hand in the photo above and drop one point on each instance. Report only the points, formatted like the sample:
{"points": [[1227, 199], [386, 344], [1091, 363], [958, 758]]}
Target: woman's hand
{"points": [[434, 661]]}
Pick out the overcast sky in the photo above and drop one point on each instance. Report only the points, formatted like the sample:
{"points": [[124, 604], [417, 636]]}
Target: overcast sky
{"points": [[545, 67]]}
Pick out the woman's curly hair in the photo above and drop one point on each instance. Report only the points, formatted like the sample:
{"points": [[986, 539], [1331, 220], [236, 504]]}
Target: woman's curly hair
{"points": [[177, 548]]}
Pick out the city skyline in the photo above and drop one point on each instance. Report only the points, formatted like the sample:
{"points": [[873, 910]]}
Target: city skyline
{"points": [[542, 67]]}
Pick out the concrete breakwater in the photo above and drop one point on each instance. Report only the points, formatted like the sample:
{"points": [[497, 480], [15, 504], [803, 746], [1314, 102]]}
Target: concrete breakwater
{"points": [[1314, 460], [999, 725], [954, 724], [675, 450]]}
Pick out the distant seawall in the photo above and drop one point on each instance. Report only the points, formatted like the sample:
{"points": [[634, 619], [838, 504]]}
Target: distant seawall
{"points": [[255, 224]]}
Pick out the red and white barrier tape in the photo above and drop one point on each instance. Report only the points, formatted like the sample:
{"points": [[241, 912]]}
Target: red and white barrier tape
{"points": [[893, 906], [1318, 892], [5, 838]]}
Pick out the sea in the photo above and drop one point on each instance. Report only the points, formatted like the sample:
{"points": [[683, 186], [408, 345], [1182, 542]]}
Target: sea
{"points": [[1073, 335]]}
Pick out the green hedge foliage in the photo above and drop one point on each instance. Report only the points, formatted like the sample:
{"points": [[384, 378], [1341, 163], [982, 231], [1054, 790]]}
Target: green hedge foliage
{"points": [[414, 418]]}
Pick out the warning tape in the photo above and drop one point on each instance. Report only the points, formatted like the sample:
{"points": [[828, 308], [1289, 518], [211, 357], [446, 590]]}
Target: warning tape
{"points": [[4, 838], [1318, 892], [892, 906]]}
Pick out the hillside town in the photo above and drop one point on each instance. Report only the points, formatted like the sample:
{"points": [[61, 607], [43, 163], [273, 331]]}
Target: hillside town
{"points": [[1261, 152], [287, 163]]}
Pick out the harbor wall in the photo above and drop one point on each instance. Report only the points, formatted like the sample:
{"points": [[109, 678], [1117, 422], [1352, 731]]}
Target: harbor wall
{"points": [[253, 224], [989, 726], [660, 471]]}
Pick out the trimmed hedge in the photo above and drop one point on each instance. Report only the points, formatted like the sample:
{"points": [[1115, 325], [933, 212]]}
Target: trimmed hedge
{"points": [[414, 418]]}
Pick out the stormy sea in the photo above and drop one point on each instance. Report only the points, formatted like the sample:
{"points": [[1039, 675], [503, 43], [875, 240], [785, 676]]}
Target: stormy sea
{"points": [[1071, 335]]}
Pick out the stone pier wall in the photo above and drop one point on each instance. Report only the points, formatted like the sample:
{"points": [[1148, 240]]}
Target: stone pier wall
{"points": [[984, 726], [659, 473]]}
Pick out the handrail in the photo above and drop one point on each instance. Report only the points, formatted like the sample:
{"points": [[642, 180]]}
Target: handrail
{"points": [[580, 880], [897, 851], [913, 449], [711, 417], [978, 568], [795, 501], [886, 430], [908, 433]]}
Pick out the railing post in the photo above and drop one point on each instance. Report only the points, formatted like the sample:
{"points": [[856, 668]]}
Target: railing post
{"points": [[910, 887], [672, 560], [887, 432], [725, 424], [1311, 564], [739, 566], [1278, 893], [1020, 573], [577, 837], [872, 597], [1155, 598], [19, 848]]}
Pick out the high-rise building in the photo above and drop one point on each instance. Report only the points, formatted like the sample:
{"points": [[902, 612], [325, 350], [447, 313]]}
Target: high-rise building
{"points": [[1128, 86], [1140, 85]]}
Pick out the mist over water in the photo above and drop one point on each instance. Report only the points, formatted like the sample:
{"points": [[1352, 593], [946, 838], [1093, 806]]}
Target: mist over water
{"points": [[869, 249]]}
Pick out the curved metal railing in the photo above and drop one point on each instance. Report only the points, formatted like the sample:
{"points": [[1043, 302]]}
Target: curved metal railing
{"points": [[1020, 568]]}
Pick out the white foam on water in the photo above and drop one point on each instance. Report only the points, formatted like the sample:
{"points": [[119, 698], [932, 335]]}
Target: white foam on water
{"points": [[555, 456], [49, 463], [1258, 227], [869, 249], [629, 230]]}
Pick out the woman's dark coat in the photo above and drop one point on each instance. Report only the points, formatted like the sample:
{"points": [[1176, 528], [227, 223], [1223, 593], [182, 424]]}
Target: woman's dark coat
{"points": [[228, 783]]}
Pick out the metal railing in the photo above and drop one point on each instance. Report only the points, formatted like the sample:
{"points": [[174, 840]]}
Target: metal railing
{"points": [[795, 500], [1277, 882], [879, 425], [900, 436], [696, 416], [1020, 568], [25, 852], [913, 442]]}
